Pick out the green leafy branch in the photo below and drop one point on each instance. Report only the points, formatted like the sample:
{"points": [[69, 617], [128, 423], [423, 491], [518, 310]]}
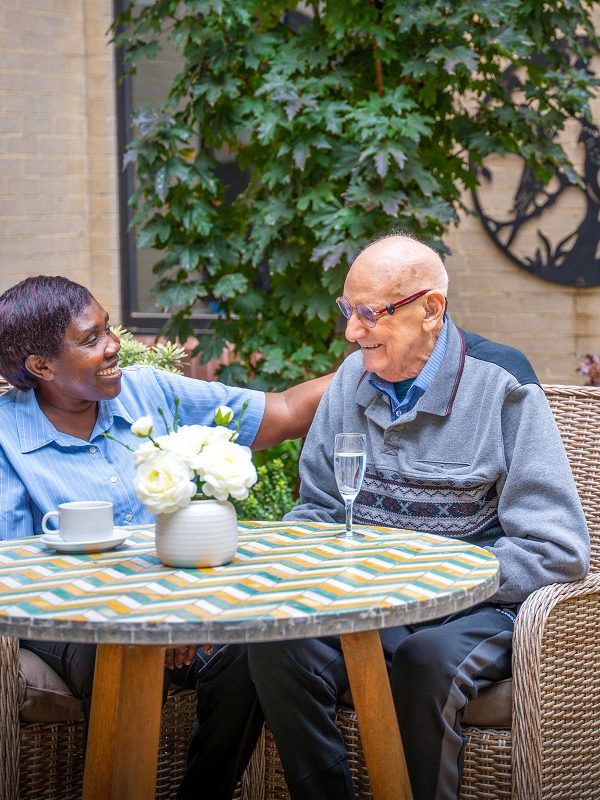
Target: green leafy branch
{"points": [[367, 119]]}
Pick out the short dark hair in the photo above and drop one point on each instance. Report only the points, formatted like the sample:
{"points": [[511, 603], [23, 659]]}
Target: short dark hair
{"points": [[34, 316]]}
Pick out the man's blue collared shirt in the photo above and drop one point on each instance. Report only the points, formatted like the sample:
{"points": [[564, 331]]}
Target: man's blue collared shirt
{"points": [[41, 467], [421, 383]]}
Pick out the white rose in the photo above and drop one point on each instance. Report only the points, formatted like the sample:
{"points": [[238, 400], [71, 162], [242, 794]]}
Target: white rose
{"points": [[225, 469], [223, 415], [216, 435], [144, 452], [190, 440], [202, 435], [184, 444], [163, 484], [142, 427]]}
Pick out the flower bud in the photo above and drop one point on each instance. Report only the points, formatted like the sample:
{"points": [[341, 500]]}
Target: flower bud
{"points": [[223, 415], [142, 427]]}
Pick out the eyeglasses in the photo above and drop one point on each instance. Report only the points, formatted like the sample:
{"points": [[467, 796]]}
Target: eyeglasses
{"points": [[367, 315]]}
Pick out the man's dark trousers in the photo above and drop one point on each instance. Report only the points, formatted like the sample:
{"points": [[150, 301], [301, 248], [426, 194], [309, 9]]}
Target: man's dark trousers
{"points": [[436, 667]]}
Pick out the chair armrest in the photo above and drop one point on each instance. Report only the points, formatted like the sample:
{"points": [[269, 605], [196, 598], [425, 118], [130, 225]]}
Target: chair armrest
{"points": [[556, 688], [9, 718]]}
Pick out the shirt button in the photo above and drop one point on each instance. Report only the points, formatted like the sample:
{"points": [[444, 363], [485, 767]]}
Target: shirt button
{"points": [[113, 479], [398, 413], [93, 449], [128, 517]]}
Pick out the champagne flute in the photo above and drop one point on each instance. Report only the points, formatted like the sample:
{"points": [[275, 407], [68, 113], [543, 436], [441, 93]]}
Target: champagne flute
{"points": [[349, 461]]}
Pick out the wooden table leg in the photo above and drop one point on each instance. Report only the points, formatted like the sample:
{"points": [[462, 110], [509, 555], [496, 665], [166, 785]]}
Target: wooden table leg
{"points": [[377, 721], [97, 777], [122, 753]]}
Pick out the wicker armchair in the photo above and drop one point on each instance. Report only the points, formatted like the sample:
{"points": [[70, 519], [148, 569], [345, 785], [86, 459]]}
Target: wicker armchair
{"points": [[548, 745]]}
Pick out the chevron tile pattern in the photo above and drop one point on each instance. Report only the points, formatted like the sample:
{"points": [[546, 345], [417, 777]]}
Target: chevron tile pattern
{"points": [[280, 571]]}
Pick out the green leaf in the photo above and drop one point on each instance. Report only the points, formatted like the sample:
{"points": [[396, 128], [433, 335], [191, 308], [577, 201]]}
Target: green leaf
{"points": [[274, 360], [230, 285], [156, 231], [172, 294], [189, 257], [320, 306]]}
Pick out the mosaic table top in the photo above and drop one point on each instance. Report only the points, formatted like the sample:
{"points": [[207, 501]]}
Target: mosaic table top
{"points": [[287, 580]]}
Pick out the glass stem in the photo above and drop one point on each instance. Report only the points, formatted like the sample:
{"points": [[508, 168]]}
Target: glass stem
{"points": [[349, 503]]}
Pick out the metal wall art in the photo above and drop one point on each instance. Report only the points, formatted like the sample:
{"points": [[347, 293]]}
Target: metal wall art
{"points": [[574, 258]]}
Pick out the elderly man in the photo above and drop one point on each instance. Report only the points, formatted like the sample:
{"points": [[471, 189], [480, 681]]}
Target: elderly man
{"points": [[461, 442]]}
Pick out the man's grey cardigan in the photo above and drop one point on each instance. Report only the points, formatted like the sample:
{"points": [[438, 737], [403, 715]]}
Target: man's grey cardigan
{"points": [[479, 458]]}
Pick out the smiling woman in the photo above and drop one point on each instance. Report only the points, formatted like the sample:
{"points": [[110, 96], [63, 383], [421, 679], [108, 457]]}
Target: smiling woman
{"points": [[84, 371], [58, 351], [57, 300]]}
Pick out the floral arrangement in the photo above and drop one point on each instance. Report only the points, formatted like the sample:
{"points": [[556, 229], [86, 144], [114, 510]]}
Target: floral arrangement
{"points": [[190, 462], [590, 366]]}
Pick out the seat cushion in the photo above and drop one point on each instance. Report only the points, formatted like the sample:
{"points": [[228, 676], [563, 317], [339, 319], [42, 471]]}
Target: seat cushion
{"points": [[43, 695], [492, 708]]}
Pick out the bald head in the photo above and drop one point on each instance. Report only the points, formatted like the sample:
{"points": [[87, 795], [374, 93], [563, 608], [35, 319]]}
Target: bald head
{"points": [[400, 265], [398, 342]]}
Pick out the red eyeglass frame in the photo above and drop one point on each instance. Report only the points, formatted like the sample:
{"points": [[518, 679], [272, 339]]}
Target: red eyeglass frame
{"points": [[389, 309]]}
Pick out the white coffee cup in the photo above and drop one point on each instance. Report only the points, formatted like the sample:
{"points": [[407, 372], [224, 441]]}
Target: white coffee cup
{"points": [[82, 520]]}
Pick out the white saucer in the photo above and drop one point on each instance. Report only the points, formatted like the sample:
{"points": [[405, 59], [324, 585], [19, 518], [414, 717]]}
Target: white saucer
{"points": [[54, 542]]}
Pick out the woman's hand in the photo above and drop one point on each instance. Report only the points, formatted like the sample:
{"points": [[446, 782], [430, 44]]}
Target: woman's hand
{"points": [[177, 657]]}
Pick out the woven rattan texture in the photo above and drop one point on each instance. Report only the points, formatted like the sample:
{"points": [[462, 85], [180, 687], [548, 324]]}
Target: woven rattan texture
{"points": [[570, 722], [487, 766], [175, 730], [52, 757], [51, 761], [9, 716], [487, 773], [577, 413]]}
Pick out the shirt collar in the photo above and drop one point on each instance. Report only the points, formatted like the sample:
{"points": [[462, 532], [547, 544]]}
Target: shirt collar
{"points": [[440, 396], [35, 430], [421, 383]]}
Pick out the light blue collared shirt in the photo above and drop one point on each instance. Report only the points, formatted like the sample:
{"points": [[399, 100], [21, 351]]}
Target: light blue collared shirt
{"points": [[41, 467], [421, 383]]}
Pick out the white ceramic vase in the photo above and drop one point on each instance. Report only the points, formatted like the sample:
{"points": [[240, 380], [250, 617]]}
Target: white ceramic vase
{"points": [[203, 534]]}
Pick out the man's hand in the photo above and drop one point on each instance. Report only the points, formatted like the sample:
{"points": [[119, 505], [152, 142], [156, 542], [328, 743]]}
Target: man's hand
{"points": [[177, 657]]}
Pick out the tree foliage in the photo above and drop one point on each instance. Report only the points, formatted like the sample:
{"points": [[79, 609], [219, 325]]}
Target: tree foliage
{"points": [[367, 120]]}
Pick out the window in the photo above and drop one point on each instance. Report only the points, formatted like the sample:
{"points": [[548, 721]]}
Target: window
{"points": [[149, 87]]}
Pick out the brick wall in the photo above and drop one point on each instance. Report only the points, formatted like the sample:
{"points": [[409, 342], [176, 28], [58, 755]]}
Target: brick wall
{"points": [[58, 170], [553, 325]]}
